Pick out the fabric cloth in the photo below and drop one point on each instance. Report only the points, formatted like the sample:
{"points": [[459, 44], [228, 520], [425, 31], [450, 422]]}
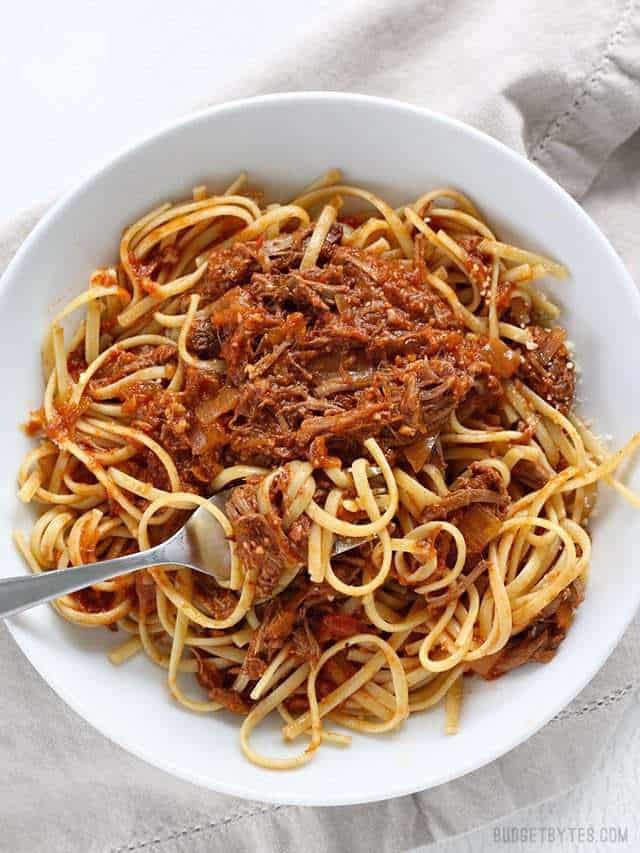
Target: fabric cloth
{"points": [[560, 86]]}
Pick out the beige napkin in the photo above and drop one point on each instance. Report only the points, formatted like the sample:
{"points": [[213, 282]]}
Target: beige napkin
{"points": [[559, 85]]}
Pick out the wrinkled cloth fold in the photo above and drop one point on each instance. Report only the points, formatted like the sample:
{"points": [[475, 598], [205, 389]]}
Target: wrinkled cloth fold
{"points": [[560, 87]]}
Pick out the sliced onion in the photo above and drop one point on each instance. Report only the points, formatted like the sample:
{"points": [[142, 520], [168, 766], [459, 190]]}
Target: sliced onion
{"points": [[341, 303], [419, 452], [504, 360], [210, 409]]}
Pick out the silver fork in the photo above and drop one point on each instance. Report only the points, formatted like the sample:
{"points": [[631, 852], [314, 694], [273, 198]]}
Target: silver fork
{"points": [[200, 544]]}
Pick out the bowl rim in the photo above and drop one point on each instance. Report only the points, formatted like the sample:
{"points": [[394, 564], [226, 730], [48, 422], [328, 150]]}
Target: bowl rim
{"points": [[58, 210]]}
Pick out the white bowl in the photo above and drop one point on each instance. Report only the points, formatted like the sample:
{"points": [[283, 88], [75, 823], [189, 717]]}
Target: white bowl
{"points": [[284, 141]]}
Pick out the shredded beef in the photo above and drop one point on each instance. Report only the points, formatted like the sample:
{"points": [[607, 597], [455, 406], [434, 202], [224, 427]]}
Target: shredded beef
{"points": [[261, 542], [530, 474], [296, 615], [122, 362], [208, 673], [540, 641], [338, 626], [546, 369], [476, 504], [316, 361], [483, 485], [212, 599], [213, 680], [459, 499], [304, 643], [285, 252], [229, 268], [275, 628], [203, 339], [354, 348], [405, 404], [145, 591], [231, 700]]}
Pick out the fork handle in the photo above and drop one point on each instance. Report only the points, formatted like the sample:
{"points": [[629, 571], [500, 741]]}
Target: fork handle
{"points": [[21, 593]]}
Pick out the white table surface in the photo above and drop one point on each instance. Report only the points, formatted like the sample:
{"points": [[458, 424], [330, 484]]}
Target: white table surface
{"points": [[80, 79]]}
